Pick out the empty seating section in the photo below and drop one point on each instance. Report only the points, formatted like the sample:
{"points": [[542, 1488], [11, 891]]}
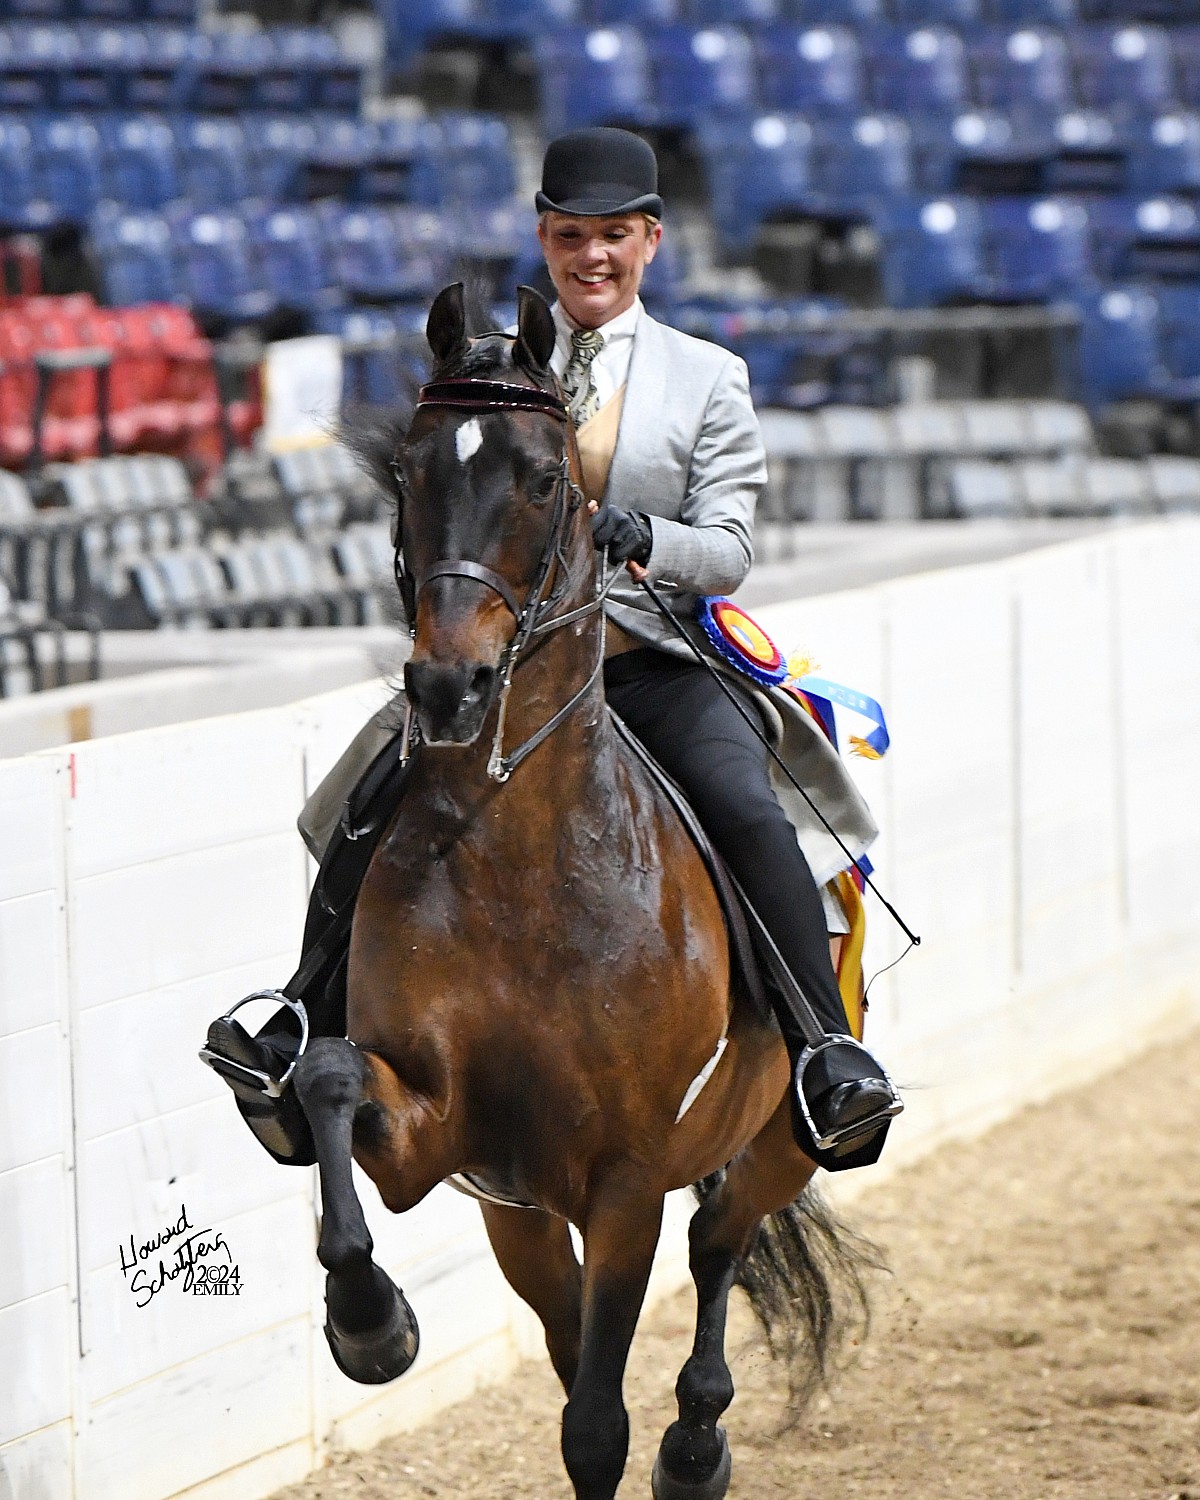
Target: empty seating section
{"points": [[226, 178], [1002, 151], [123, 541], [76, 378], [127, 64]]}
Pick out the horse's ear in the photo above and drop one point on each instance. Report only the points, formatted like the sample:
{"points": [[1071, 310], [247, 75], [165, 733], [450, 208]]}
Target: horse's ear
{"points": [[446, 328], [535, 330]]}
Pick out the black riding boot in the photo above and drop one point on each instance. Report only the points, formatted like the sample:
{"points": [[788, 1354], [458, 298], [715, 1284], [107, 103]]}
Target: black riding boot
{"points": [[685, 721], [257, 1067]]}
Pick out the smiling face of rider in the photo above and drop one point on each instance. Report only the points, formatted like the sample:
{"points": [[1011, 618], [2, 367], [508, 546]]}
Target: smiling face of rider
{"points": [[597, 264]]}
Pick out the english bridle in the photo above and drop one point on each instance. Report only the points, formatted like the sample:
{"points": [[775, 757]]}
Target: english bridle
{"points": [[533, 617]]}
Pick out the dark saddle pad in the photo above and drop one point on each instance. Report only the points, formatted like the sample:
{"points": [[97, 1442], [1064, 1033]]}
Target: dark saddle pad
{"points": [[746, 961]]}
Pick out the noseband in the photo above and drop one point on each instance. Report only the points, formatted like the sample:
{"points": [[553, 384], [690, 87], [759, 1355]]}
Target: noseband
{"points": [[497, 395]]}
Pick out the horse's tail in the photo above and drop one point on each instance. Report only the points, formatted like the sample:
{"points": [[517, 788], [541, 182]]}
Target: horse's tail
{"points": [[807, 1278]]}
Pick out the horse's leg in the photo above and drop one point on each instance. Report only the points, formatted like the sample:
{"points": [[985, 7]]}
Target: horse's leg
{"points": [[693, 1460], [371, 1329], [619, 1241], [537, 1257]]}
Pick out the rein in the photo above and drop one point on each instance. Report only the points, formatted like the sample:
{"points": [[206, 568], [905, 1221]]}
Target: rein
{"points": [[496, 395]]}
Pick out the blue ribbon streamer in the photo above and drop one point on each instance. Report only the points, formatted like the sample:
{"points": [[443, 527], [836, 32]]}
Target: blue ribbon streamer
{"points": [[823, 693]]}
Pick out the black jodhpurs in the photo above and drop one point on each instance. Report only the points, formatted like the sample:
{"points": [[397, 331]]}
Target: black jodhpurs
{"points": [[688, 725]]}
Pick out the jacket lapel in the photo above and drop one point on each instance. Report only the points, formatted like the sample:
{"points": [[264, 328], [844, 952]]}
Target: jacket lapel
{"points": [[638, 437]]}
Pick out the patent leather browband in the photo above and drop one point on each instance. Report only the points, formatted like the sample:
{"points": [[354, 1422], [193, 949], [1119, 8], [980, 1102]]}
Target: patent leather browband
{"points": [[491, 395]]}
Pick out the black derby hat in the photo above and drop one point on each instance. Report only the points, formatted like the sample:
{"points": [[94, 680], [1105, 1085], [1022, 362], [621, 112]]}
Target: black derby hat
{"points": [[598, 172]]}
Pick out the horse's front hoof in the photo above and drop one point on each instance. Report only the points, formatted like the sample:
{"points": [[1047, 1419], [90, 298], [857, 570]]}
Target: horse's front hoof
{"points": [[379, 1354], [666, 1486]]}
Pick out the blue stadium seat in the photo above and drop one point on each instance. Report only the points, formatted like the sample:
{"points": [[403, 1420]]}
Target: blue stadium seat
{"points": [[153, 71], [934, 252], [662, 285], [102, 58], [1154, 238], [279, 146], [1090, 154], [596, 77], [500, 235], [136, 258], [732, 12], [980, 150], [1040, 248], [411, 25], [757, 168], [1185, 44], [109, 10], [217, 270], [1025, 69], [182, 11], [214, 160], [919, 68], [938, 12], [35, 10], [840, 12], [1165, 154], [1126, 68], [1179, 308], [309, 72], [699, 72], [372, 359], [868, 158], [1035, 12], [521, 20], [471, 161], [633, 12], [140, 167], [290, 248], [24, 197], [344, 150], [33, 61], [1119, 345], [373, 255], [818, 68], [222, 70], [68, 148], [404, 163]]}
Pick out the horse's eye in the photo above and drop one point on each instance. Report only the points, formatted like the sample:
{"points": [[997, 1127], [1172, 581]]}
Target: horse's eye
{"points": [[543, 487]]}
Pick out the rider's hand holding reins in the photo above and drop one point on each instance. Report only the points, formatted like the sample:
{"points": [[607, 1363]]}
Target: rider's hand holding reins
{"points": [[624, 534]]}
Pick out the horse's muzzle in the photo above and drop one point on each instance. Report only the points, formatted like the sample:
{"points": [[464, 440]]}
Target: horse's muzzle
{"points": [[450, 701]]}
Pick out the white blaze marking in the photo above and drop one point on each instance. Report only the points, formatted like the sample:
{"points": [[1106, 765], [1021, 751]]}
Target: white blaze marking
{"points": [[468, 439]]}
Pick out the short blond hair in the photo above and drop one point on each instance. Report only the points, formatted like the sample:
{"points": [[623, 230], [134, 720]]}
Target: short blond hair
{"points": [[650, 221]]}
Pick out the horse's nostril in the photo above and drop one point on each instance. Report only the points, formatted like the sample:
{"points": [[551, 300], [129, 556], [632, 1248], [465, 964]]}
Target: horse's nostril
{"points": [[481, 681]]}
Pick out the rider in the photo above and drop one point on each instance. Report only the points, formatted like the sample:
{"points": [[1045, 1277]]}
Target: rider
{"points": [[672, 463]]}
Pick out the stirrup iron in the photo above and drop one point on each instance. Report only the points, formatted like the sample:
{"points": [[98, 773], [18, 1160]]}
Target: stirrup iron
{"points": [[257, 1077], [859, 1129]]}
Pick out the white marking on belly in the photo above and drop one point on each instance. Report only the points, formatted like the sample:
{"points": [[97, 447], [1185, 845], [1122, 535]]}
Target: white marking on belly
{"points": [[701, 1078], [468, 439]]}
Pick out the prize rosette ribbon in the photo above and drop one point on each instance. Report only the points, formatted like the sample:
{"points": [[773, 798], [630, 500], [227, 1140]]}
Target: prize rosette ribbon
{"points": [[744, 644]]}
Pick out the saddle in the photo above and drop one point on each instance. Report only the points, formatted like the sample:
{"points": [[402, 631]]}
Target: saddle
{"points": [[755, 961]]}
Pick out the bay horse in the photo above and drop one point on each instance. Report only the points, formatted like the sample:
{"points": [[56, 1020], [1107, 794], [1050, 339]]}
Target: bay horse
{"points": [[539, 967]]}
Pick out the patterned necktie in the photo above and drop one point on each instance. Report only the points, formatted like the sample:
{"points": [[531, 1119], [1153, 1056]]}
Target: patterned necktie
{"points": [[578, 378]]}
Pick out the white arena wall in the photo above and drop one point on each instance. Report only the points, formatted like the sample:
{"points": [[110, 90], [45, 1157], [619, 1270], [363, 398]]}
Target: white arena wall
{"points": [[1040, 825]]}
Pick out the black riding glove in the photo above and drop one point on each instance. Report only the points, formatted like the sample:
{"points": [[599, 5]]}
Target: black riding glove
{"points": [[625, 534]]}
